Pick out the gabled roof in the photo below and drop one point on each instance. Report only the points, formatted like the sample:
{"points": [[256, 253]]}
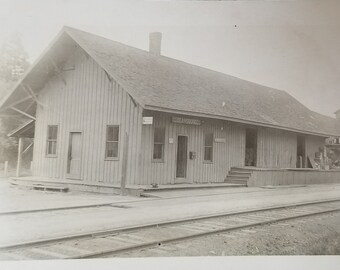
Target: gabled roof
{"points": [[164, 84]]}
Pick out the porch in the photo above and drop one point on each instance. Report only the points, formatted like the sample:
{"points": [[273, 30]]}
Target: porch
{"points": [[258, 177], [45, 183]]}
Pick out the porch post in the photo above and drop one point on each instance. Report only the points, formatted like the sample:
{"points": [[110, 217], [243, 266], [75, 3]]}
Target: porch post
{"points": [[20, 145], [124, 164], [6, 168]]}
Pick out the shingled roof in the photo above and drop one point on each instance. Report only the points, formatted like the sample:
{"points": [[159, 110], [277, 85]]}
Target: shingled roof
{"points": [[164, 84]]}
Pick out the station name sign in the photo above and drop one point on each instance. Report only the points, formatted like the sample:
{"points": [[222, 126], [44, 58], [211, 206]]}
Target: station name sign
{"points": [[332, 140], [186, 121]]}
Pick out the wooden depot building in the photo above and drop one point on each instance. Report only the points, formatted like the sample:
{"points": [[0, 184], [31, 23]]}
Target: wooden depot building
{"points": [[103, 112]]}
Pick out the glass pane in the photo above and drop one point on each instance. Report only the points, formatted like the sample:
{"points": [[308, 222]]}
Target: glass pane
{"points": [[112, 149], [55, 132], [158, 151], [208, 140], [159, 135], [109, 134], [49, 148], [208, 153], [112, 133], [109, 149], [54, 148], [52, 132], [116, 134]]}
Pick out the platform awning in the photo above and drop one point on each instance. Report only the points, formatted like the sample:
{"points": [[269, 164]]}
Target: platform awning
{"points": [[26, 130]]}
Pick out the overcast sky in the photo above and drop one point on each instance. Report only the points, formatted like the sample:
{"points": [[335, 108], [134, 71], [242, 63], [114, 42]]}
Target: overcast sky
{"points": [[289, 45]]}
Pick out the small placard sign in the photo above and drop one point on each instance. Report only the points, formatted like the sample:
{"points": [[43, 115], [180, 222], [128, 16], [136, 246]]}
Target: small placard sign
{"points": [[147, 120], [171, 140], [220, 140], [186, 121]]}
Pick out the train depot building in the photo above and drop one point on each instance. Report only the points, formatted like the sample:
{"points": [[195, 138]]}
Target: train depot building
{"points": [[102, 112]]}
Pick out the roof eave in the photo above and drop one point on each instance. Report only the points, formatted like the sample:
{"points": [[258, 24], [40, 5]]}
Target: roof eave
{"points": [[31, 68], [238, 120], [14, 132]]}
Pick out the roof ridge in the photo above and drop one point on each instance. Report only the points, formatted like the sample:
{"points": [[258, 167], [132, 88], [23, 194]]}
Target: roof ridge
{"points": [[180, 86], [173, 59]]}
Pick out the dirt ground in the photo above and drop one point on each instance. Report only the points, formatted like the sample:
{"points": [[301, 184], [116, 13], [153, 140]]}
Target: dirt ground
{"points": [[318, 235]]}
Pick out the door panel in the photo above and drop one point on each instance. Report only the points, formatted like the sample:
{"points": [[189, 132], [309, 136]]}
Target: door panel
{"points": [[301, 152], [182, 157], [251, 147], [74, 155]]}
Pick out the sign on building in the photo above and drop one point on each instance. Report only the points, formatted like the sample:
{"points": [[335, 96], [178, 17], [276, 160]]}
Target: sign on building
{"points": [[186, 121], [147, 120], [220, 140]]}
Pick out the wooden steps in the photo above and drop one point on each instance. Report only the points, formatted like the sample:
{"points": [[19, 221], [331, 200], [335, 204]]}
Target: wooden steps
{"points": [[41, 186], [238, 175]]}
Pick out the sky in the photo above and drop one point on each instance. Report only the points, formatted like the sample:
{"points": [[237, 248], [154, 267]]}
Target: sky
{"points": [[288, 45]]}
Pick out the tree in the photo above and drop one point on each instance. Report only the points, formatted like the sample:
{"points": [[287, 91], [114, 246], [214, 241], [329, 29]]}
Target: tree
{"points": [[13, 64], [13, 59]]}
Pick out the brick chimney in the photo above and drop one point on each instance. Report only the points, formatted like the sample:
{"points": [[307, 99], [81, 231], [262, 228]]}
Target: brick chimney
{"points": [[155, 43], [337, 114]]}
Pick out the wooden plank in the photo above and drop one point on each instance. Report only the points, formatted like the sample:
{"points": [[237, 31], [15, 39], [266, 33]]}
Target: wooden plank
{"points": [[124, 164], [6, 168], [27, 148], [57, 70], [29, 90], [23, 113], [20, 146], [312, 162], [16, 103]]}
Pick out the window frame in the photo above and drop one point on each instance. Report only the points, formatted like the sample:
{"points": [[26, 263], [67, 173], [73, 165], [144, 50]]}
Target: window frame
{"points": [[48, 141], [208, 161], [159, 160], [106, 142]]}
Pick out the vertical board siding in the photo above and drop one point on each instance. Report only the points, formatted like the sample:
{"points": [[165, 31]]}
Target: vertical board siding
{"points": [[292, 177], [276, 148], [225, 155], [87, 103]]}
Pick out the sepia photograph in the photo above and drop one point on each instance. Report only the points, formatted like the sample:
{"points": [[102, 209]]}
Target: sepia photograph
{"points": [[167, 132]]}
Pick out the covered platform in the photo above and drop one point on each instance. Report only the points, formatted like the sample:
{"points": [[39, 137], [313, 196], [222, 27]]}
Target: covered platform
{"points": [[257, 177], [135, 190], [25, 135]]}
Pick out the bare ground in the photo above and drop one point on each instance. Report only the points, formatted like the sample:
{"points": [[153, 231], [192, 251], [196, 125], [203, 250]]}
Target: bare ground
{"points": [[318, 235]]}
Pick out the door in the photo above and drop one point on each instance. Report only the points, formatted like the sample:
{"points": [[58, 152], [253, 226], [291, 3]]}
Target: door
{"points": [[182, 156], [301, 152], [74, 155], [251, 147]]}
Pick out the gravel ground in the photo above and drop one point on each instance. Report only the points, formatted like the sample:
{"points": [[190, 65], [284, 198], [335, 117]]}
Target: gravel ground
{"points": [[319, 235]]}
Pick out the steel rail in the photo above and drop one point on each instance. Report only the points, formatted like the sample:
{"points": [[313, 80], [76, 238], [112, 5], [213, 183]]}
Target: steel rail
{"points": [[108, 232], [195, 235]]}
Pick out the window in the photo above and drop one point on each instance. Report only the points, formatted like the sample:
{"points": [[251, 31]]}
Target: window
{"points": [[208, 146], [112, 142], [51, 147], [158, 143]]}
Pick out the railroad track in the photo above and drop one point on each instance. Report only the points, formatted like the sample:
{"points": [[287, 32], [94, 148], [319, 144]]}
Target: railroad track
{"points": [[113, 242]]}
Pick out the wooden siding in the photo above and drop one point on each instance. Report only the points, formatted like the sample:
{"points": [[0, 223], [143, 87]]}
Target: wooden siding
{"points": [[292, 177], [87, 103], [225, 155], [276, 148]]}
